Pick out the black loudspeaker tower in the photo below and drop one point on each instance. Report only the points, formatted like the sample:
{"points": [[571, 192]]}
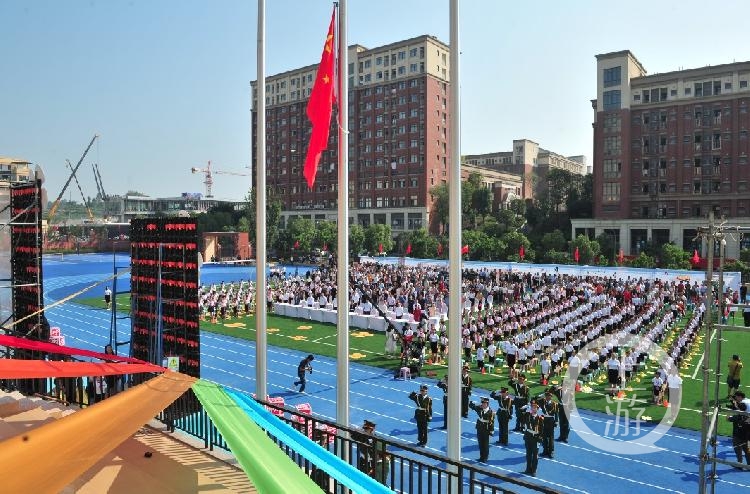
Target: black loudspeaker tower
{"points": [[164, 289], [26, 274]]}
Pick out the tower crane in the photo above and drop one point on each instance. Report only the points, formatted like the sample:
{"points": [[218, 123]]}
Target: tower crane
{"points": [[56, 204], [209, 181]]}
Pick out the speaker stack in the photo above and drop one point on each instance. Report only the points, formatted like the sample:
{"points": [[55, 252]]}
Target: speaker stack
{"points": [[171, 274], [26, 274]]}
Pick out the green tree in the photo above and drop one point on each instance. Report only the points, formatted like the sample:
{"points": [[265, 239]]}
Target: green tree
{"points": [[302, 230], [377, 234], [607, 246], [243, 225], [554, 240], [556, 257], [273, 217], [587, 249], [745, 255], [326, 233], [518, 206], [513, 241], [580, 202], [643, 261], [422, 243], [482, 247], [741, 266], [441, 206], [356, 239], [673, 257]]}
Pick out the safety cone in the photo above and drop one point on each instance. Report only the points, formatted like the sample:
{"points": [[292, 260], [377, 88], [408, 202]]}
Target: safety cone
{"points": [[482, 370], [578, 387], [621, 394], [666, 404]]}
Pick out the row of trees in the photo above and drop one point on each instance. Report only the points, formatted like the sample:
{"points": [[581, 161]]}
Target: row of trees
{"points": [[542, 227]]}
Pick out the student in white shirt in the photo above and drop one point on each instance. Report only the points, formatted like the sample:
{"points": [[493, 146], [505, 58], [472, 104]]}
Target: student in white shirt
{"points": [[674, 385]]}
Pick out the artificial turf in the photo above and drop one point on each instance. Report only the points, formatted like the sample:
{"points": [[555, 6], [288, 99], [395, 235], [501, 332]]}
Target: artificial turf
{"points": [[367, 347]]}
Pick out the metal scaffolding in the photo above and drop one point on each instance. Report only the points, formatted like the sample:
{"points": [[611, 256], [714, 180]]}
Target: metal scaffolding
{"points": [[715, 236]]}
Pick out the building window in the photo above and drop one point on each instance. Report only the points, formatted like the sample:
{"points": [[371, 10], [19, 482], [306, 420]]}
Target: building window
{"points": [[612, 100], [743, 84], [612, 146], [612, 168], [611, 192], [613, 76], [612, 123]]}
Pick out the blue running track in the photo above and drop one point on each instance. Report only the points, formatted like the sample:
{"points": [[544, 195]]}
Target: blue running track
{"points": [[375, 395]]}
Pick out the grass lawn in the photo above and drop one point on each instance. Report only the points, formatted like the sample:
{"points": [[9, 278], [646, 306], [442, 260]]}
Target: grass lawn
{"points": [[367, 347]]}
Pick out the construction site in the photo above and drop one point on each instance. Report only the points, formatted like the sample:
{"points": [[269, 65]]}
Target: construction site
{"points": [[78, 221]]}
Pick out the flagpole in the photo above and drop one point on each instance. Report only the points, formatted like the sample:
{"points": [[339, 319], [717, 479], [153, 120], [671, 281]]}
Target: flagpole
{"points": [[454, 253], [260, 213], [342, 264]]}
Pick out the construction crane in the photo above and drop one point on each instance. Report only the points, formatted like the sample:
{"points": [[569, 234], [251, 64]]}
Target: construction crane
{"points": [[209, 181], [56, 204], [99, 184], [78, 184]]}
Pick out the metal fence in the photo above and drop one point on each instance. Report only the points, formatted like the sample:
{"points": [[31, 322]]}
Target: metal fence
{"points": [[396, 464]]}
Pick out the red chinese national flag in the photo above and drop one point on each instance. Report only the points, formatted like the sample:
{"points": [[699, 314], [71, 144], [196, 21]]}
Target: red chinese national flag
{"points": [[521, 252], [408, 249], [576, 255], [440, 249], [696, 258], [320, 106], [380, 248], [465, 249], [296, 244], [325, 247]]}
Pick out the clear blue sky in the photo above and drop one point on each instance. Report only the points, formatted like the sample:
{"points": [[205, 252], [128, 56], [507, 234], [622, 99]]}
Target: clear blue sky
{"points": [[166, 83]]}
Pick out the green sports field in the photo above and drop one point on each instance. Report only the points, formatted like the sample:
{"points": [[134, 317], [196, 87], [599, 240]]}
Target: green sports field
{"points": [[367, 348]]}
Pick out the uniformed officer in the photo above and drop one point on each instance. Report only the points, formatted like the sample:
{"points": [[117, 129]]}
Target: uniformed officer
{"points": [[444, 386], [465, 391], [520, 397], [533, 421], [551, 410], [366, 448], [504, 413], [561, 415], [422, 414], [485, 427]]}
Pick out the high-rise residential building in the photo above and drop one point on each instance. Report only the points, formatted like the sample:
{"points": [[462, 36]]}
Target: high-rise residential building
{"points": [[668, 149], [399, 130]]}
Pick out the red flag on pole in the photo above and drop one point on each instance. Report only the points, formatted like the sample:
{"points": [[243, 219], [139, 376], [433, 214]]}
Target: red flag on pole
{"points": [[696, 258], [320, 106], [296, 244], [325, 247], [465, 249], [408, 249], [576, 255], [440, 249], [620, 257], [521, 252], [380, 248]]}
